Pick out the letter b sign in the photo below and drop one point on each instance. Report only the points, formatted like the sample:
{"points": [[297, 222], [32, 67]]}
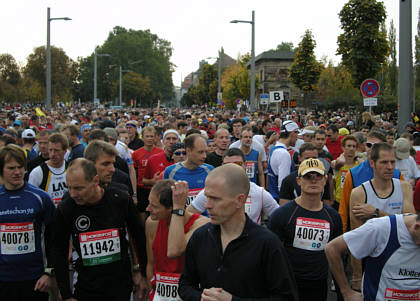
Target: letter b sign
{"points": [[276, 96]]}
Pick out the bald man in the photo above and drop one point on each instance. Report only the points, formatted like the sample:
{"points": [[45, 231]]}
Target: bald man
{"points": [[215, 254]]}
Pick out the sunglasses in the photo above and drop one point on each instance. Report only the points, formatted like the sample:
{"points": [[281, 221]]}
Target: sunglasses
{"points": [[240, 163], [180, 153], [369, 144], [312, 176]]}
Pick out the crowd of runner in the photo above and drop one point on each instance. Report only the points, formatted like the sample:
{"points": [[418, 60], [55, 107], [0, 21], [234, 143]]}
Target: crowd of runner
{"points": [[204, 204]]}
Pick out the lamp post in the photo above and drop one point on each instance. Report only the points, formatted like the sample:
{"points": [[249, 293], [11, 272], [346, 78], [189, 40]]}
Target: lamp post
{"points": [[121, 71], [95, 74], [252, 96], [219, 72], [48, 84]]}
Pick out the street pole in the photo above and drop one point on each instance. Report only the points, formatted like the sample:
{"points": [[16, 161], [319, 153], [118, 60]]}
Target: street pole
{"points": [[95, 75], [120, 85], [405, 74], [219, 73], [252, 98], [48, 87]]}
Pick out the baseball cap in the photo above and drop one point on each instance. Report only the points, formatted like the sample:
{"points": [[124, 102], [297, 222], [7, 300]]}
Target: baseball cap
{"points": [[289, 126], [402, 148], [85, 127], [306, 131], [343, 132], [17, 122], [309, 165], [28, 133]]}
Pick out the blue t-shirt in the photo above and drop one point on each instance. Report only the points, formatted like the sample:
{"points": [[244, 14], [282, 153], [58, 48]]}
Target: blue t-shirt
{"points": [[23, 215], [76, 152]]}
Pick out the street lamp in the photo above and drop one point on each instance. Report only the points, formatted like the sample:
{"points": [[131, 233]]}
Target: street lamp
{"points": [[219, 73], [48, 84], [121, 71], [252, 22], [95, 74]]}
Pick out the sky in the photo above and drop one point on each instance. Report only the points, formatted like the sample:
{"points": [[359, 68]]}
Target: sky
{"points": [[197, 29]]}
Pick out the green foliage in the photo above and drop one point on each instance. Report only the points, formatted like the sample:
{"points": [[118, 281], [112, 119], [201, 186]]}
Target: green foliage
{"points": [[137, 50], [305, 69], [285, 46], [9, 70], [63, 72], [392, 67], [362, 45], [135, 86]]}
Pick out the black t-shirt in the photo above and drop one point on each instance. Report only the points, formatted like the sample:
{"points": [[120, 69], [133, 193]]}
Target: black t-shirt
{"points": [[214, 159], [136, 143], [34, 163], [76, 152], [290, 189], [304, 234]]}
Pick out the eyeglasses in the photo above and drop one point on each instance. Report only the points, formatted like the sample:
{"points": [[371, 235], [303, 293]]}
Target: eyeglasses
{"points": [[369, 144], [240, 163], [312, 176], [180, 153]]}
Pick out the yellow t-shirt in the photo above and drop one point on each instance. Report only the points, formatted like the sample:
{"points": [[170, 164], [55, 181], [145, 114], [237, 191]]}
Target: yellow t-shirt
{"points": [[339, 180]]}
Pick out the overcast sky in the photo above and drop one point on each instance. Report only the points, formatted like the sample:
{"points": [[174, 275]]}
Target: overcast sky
{"points": [[195, 28]]}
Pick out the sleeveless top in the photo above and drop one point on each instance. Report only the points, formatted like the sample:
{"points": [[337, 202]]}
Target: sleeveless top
{"points": [[393, 204]]}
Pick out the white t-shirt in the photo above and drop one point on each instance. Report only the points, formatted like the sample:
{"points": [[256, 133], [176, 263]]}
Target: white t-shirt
{"points": [[280, 162], [259, 200], [255, 145], [124, 152], [408, 168]]}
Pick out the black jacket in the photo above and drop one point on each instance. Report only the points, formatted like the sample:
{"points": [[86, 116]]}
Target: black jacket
{"points": [[254, 266]]}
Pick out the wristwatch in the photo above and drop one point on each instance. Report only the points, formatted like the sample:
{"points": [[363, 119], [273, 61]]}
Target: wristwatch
{"points": [[49, 272], [136, 268], [376, 213], [179, 212]]}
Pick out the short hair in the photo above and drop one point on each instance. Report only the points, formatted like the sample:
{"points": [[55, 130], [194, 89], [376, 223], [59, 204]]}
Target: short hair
{"points": [[377, 135], [238, 120], [11, 152], [97, 134], [235, 179], [43, 133], [320, 132], [98, 147], [111, 132], [87, 166], [59, 138], [377, 148], [407, 136], [230, 152], [181, 124], [265, 122], [246, 128], [347, 138], [190, 140], [333, 128], [149, 128], [307, 146], [220, 129], [192, 131], [389, 133], [164, 191], [74, 130]]}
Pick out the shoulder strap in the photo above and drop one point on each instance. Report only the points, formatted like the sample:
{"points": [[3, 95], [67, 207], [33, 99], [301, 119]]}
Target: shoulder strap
{"points": [[46, 174]]}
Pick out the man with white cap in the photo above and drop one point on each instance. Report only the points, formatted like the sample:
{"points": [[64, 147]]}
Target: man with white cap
{"points": [[28, 137], [404, 162], [280, 163], [305, 226]]}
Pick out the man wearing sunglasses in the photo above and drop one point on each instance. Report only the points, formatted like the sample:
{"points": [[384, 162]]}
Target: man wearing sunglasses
{"points": [[380, 196], [305, 225], [259, 200], [358, 175]]}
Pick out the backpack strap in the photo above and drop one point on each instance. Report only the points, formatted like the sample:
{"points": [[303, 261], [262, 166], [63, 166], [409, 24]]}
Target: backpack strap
{"points": [[46, 175]]}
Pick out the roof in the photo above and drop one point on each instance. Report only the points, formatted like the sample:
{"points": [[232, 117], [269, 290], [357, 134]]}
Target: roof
{"points": [[276, 55]]}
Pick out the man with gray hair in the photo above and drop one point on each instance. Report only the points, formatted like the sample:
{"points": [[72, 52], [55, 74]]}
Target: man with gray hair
{"points": [[214, 259]]}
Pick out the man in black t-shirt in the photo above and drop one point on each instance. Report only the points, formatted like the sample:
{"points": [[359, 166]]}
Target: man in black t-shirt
{"points": [[222, 141], [305, 226]]}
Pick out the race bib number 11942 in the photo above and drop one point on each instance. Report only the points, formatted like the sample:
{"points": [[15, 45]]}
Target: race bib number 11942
{"points": [[100, 247]]}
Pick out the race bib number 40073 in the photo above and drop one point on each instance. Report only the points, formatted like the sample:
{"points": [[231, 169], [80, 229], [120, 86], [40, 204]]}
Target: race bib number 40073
{"points": [[311, 234], [17, 238], [100, 247], [167, 287]]}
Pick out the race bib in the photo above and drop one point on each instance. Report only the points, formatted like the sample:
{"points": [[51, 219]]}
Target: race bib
{"points": [[250, 169], [311, 234], [17, 238], [192, 194], [343, 177], [166, 287], [401, 295], [100, 247], [248, 204]]}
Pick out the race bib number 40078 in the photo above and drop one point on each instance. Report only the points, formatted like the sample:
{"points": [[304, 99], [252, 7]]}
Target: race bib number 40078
{"points": [[100, 247], [17, 238], [311, 234]]}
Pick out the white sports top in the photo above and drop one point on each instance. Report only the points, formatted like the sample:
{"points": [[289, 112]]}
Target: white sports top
{"points": [[393, 204]]}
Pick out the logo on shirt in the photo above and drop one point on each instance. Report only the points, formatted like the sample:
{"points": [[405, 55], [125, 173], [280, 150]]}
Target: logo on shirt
{"points": [[82, 223]]}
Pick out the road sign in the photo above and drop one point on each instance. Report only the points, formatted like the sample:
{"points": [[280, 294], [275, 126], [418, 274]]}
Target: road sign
{"points": [[370, 102], [369, 88], [276, 96], [264, 98]]}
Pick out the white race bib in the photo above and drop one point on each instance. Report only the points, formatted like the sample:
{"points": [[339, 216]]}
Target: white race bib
{"points": [[17, 238], [248, 204], [166, 287], [100, 247], [192, 194], [311, 234], [401, 295], [343, 177], [250, 169]]}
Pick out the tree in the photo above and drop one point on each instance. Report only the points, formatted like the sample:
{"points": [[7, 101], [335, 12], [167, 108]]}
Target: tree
{"points": [[9, 70], [362, 45], [135, 86], [137, 50], [63, 72], [285, 46], [393, 69], [305, 69]]}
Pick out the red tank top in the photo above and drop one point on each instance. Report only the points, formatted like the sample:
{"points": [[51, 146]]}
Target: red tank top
{"points": [[160, 250]]}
